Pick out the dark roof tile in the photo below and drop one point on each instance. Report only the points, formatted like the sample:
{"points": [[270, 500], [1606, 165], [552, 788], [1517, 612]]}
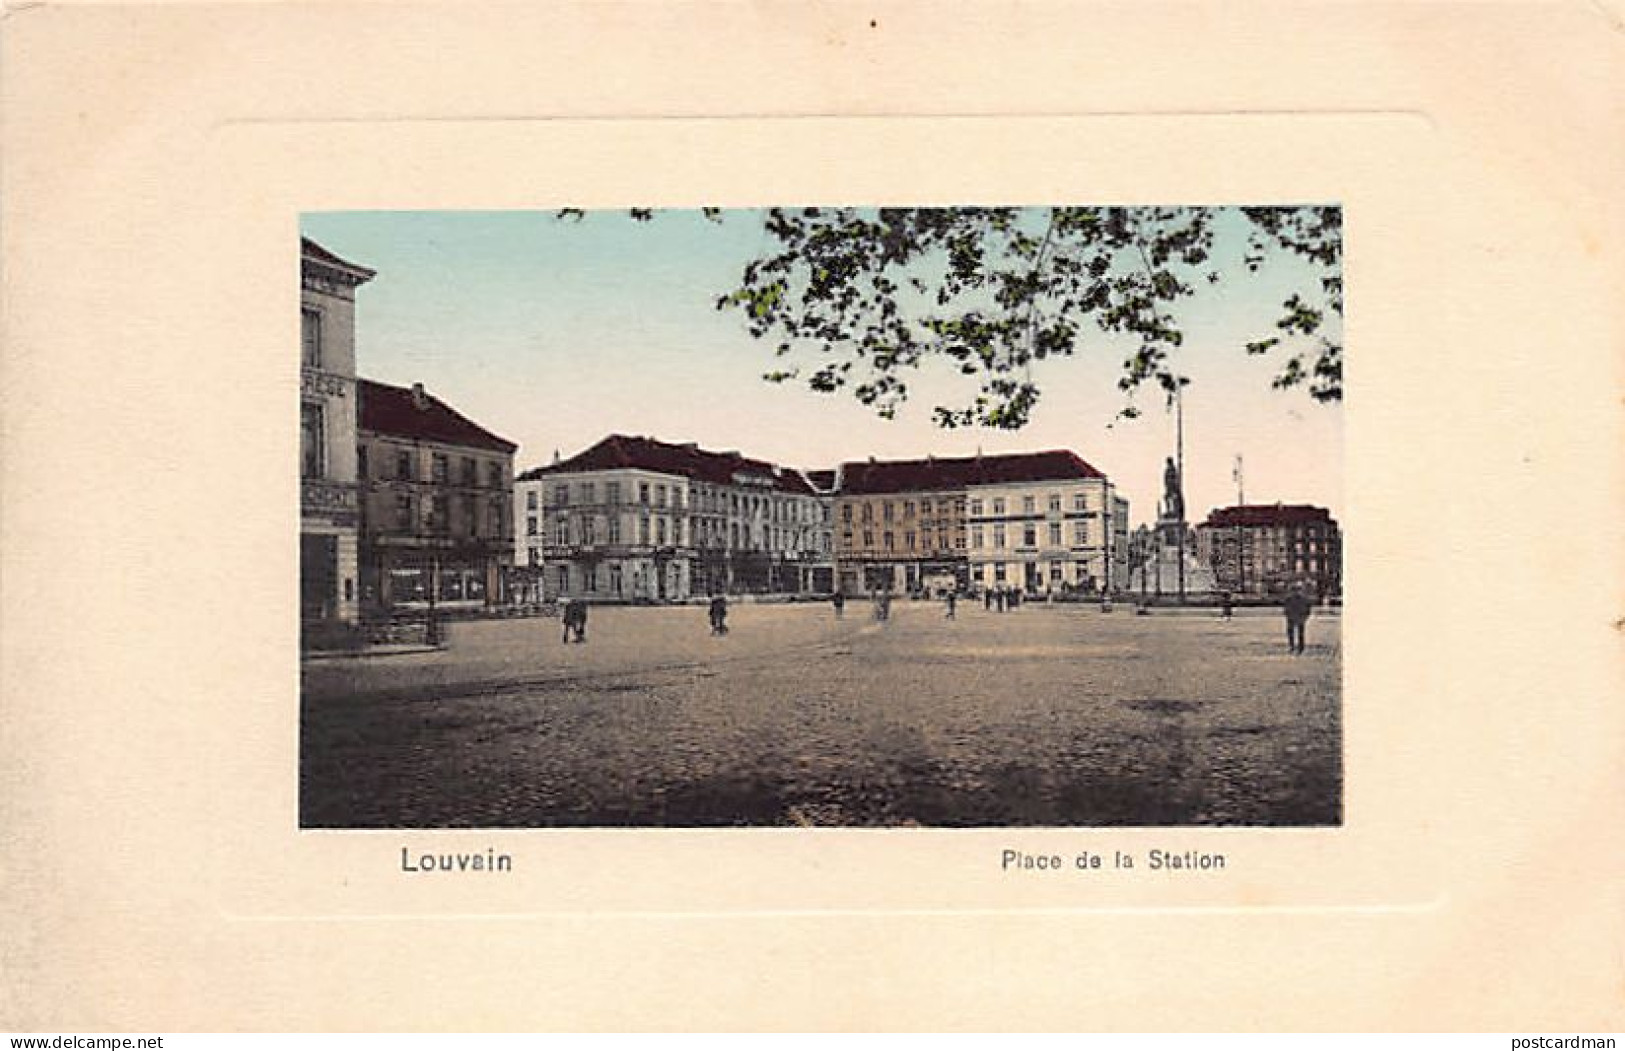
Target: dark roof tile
{"points": [[397, 411]]}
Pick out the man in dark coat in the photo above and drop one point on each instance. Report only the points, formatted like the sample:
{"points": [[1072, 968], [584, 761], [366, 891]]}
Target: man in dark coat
{"points": [[719, 615], [1296, 607], [575, 620]]}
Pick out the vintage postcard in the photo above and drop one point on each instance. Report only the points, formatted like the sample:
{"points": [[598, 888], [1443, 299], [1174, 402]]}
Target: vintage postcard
{"points": [[947, 579]]}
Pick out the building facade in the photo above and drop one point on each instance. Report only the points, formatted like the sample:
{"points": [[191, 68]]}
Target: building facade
{"points": [[1041, 523], [437, 503], [900, 525], [1045, 523], [329, 499], [634, 519], [1264, 549]]}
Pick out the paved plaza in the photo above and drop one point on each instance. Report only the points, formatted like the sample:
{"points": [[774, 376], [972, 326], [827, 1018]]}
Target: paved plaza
{"points": [[1044, 715]]}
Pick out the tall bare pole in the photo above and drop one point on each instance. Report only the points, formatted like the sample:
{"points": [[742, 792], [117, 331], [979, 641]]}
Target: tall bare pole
{"points": [[1179, 456]]}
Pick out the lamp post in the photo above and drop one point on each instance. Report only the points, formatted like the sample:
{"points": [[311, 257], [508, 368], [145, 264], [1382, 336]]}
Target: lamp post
{"points": [[1179, 463]]}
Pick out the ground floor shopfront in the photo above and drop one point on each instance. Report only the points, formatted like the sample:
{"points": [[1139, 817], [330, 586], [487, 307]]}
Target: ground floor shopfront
{"points": [[903, 577], [673, 577], [407, 577], [1083, 572]]}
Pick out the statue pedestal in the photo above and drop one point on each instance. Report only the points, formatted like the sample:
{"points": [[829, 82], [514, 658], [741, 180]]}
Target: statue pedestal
{"points": [[1161, 575]]}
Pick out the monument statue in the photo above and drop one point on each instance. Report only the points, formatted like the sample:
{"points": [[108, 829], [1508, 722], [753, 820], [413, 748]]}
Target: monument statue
{"points": [[1173, 501]]}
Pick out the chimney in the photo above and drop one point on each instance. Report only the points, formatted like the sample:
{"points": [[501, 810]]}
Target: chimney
{"points": [[555, 456], [420, 399]]}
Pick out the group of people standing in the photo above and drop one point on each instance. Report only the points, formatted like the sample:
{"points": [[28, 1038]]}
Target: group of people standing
{"points": [[1296, 607]]}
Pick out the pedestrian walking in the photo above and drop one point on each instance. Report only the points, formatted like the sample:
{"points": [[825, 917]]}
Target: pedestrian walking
{"points": [[999, 599], [575, 620], [1296, 608], [987, 598], [1229, 604], [719, 615], [951, 600], [838, 600]]}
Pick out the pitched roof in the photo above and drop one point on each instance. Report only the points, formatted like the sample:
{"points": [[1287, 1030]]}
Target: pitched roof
{"points": [[935, 474], [413, 413], [685, 460], [309, 249], [1268, 515]]}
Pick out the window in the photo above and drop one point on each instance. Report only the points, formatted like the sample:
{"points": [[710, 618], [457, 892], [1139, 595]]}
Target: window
{"points": [[310, 325], [312, 455], [926, 537], [404, 515], [998, 572], [908, 540], [361, 463], [493, 474], [908, 508], [846, 538], [660, 496], [470, 471], [976, 507], [468, 516], [998, 506], [1055, 501], [660, 531], [403, 465], [530, 500], [1055, 572], [890, 544], [612, 492], [998, 536], [1029, 535], [885, 510], [975, 536], [1080, 502], [589, 529], [1080, 532], [846, 513], [1055, 534], [868, 538], [440, 514], [589, 493], [561, 531], [868, 512], [615, 529], [530, 525], [925, 507], [564, 579], [1028, 505], [643, 530], [535, 557], [643, 492], [615, 579], [561, 495], [440, 465]]}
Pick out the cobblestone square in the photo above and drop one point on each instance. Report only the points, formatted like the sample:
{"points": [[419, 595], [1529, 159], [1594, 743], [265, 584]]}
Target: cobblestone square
{"points": [[1059, 715]]}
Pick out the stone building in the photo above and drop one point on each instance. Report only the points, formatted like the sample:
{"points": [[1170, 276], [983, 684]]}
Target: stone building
{"points": [[1263, 549], [329, 507], [900, 525], [437, 509], [635, 519], [1044, 523]]}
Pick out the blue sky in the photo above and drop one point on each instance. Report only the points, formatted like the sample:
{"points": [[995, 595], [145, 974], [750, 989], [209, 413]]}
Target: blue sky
{"points": [[555, 333]]}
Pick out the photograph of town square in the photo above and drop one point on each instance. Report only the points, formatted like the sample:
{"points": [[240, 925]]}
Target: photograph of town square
{"points": [[936, 517]]}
